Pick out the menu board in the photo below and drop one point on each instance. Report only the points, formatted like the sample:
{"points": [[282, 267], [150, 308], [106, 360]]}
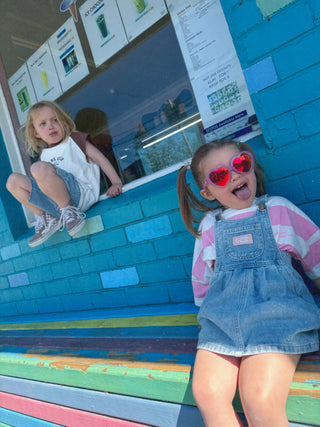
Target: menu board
{"points": [[43, 74], [104, 28], [22, 92], [213, 66], [138, 15], [68, 55]]}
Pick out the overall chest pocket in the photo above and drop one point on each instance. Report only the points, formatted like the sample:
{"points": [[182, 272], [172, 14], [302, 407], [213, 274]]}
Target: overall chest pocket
{"points": [[243, 243]]}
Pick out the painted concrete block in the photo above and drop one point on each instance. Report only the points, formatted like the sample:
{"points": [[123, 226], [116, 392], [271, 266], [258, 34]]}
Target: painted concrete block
{"points": [[281, 29], [96, 262], [297, 55], [290, 188], [311, 184], [134, 254], [57, 287], [20, 279], [8, 309], [77, 302], [161, 271], [74, 249], [260, 75], [50, 305], [4, 284], [11, 295], [268, 7], [40, 274], [244, 16], [291, 94], [65, 269], [23, 262], [122, 215], [307, 118], [281, 130], [145, 295], [160, 203], [108, 239], [313, 211], [47, 256], [33, 291], [11, 251], [85, 283], [149, 229], [93, 225], [111, 298], [118, 278], [180, 292], [176, 221], [27, 307], [175, 245]]}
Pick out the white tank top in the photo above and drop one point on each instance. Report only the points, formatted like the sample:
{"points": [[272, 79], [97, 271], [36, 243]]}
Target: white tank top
{"points": [[68, 156]]}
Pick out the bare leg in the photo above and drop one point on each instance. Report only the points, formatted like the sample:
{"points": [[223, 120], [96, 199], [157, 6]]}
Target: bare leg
{"points": [[50, 183], [214, 386], [20, 187], [264, 383]]}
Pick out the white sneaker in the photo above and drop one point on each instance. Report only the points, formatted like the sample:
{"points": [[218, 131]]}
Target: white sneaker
{"points": [[73, 219], [46, 226]]}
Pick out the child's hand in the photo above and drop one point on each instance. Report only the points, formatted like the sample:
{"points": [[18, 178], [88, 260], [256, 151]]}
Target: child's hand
{"points": [[114, 190]]}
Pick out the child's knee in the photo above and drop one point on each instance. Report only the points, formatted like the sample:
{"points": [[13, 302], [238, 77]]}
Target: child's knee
{"points": [[39, 170], [12, 182]]}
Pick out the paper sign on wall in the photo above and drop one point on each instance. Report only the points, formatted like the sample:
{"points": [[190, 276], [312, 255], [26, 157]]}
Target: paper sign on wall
{"points": [[213, 67], [43, 74], [104, 28], [68, 55], [138, 15], [22, 92]]}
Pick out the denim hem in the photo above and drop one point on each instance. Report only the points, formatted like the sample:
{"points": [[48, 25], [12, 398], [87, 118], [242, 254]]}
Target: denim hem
{"points": [[249, 351]]}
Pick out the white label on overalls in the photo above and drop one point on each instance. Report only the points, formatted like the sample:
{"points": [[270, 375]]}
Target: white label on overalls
{"points": [[244, 239]]}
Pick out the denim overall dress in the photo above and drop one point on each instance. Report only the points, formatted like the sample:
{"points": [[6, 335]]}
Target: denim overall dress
{"points": [[257, 302]]}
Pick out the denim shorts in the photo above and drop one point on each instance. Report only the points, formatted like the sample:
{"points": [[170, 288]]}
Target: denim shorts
{"points": [[39, 199]]}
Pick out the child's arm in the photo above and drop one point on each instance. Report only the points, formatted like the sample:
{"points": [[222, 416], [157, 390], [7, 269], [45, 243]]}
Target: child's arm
{"points": [[97, 157]]}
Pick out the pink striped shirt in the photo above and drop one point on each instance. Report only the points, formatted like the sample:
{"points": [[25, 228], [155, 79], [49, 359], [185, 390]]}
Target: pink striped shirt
{"points": [[293, 231]]}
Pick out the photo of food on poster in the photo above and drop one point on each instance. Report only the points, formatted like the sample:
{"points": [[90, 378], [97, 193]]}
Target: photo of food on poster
{"points": [[213, 66], [104, 28], [68, 55], [43, 74], [138, 15], [22, 92]]}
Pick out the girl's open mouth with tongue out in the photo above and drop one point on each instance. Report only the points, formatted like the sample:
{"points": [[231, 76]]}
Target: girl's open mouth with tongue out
{"points": [[242, 192]]}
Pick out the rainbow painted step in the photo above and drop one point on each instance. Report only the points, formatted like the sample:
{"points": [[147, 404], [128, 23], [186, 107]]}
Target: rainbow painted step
{"points": [[131, 359]]}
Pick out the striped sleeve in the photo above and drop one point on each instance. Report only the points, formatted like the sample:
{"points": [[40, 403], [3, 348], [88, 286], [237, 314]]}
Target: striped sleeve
{"points": [[203, 260], [296, 234]]}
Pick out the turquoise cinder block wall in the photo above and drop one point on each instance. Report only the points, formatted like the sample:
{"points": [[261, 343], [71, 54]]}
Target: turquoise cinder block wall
{"points": [[134, 250], [278, 44]]}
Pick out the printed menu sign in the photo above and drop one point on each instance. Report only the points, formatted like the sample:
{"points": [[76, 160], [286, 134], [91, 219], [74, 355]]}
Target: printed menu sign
{"points": [[138, 15], [104, 28], [22, 92], [43, 74], [213, 66], [68, 55]]}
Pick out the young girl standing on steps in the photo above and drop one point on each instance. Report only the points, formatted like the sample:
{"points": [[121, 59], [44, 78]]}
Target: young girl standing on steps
{"points": [[65, 181], [256, 314]]}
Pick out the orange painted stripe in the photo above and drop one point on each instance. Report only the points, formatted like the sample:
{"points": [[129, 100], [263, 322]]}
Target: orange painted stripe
{"points": [[60, 414]]}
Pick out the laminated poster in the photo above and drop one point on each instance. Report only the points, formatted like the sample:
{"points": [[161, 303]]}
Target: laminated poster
{"points": [[104, 28], [68, 55], [213, 67], [22, 92], [44, 75], [139, 15]]}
